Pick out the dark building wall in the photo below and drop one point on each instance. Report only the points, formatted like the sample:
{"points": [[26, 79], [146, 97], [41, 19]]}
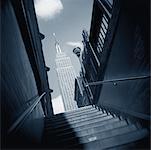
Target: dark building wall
{"points": [[125, 53], [36, 37], [129, 57], [80, 95], [18, 85]]}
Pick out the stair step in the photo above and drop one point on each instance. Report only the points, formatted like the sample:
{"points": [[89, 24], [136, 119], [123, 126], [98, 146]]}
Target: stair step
{"points": [[78, 121], [64, 115], [92, 120], [96, 129], [88, 122], [141, 144], [79, 110], [79, 128], [101, 135], [79, 118], [116, 140]]}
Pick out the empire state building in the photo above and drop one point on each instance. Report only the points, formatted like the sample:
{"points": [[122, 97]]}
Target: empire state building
{"points": [[66, 77]]}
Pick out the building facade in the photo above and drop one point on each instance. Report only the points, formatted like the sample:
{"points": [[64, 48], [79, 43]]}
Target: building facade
{"points": [[116, 55], [80, 95], [66, 77], [24, 77]]}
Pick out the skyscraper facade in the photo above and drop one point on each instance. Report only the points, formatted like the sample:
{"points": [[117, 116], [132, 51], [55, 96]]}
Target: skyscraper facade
{"points": [[66, 77]]}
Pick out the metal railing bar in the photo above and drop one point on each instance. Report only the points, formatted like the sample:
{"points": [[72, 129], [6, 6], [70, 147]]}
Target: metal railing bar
{"points": [[100, 47], [102, 36], [109, 3], [96, 58], [25, 114], [107, 20], [106, 26], [117, 80], [101, 28], [108, 13], [101, 42], [30, 100]]}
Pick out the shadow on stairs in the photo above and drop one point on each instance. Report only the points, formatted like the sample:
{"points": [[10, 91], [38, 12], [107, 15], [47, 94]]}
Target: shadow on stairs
{"points": [[52, 131], [91, 129]]}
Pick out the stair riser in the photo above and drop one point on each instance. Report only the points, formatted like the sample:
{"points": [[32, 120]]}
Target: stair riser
{"points": [[78, 121], [95, 130], [84, 127], [73, 115], [102, 135], [76, 112], [79, 118], [117, 140], [80, 109], [103, 118], [82, 123]]}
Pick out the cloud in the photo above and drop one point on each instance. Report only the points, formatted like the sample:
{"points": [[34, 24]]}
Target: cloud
{"points": [[75, 44], [57, 104], [48, 9]]}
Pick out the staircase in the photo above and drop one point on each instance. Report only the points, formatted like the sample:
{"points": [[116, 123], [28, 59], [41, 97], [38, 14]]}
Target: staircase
{"points": [[90, 129]]}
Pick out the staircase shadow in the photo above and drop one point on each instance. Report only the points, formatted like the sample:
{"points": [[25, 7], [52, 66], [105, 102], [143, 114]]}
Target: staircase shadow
{"points": [[59, 134], [27, 136]]}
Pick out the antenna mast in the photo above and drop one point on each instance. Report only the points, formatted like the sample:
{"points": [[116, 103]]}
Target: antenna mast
{"points": [[58, 49]]}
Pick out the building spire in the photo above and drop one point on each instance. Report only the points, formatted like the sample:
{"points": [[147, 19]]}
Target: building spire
{"points": [[58, 49]]}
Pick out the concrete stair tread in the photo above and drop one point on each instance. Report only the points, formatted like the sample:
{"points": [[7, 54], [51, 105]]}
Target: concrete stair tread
{"points": [[141, 144], [90, 128], [77, 110], [95, 129], [101, 120], [65, 115], [78, 121], [116, 140], [95, 120], [81, 128], [102, 134], [75, 118], [81, 108]]}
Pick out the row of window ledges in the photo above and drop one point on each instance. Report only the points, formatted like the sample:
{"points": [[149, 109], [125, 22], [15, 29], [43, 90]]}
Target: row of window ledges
{"points": [[100, 40], [102, 33]]}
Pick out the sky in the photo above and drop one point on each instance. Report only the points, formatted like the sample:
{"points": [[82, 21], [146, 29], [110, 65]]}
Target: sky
{"points": [[67, 19]]}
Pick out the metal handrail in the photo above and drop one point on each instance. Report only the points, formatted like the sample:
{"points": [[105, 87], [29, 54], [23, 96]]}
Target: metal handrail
{"points": [[26, 113], [113, 108], [117, 80]]}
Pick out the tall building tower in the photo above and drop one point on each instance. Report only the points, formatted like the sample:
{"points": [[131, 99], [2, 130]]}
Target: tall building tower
{"points": [[66, 77]]}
